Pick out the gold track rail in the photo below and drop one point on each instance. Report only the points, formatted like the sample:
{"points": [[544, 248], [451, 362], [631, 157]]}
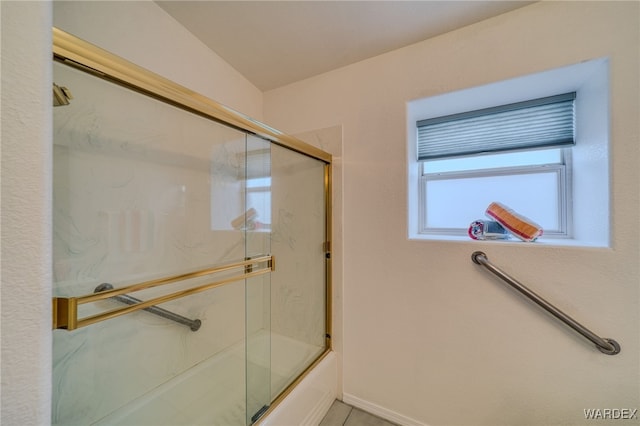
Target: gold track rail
{"points": [[78, 53], [65, 310]]}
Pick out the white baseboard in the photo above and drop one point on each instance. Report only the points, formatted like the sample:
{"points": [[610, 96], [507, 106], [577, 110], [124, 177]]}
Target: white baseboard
{"points": [[379, 411]]}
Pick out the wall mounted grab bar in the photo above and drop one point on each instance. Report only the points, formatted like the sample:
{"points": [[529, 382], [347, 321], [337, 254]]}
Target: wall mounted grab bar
{"points": [[194, 325], [604, 345], [65, 309]]}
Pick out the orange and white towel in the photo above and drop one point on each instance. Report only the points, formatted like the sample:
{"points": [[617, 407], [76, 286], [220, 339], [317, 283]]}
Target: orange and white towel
{"points": [[518, 225]]}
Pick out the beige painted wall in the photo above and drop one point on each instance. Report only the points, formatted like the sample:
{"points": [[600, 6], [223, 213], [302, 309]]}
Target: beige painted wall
{"points": [[428, 337], [26, 219]]}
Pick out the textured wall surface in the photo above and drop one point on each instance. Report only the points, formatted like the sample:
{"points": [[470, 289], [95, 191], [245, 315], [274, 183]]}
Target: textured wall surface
{"points": [[26, 219]]}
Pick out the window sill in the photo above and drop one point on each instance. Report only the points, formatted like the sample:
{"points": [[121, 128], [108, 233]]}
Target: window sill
{"points": [[549, 242]]}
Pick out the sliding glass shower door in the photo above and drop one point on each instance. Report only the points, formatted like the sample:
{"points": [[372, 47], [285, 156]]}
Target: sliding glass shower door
{"points": [[144, 191], [190, 261], [257, 219], [298, 242]]}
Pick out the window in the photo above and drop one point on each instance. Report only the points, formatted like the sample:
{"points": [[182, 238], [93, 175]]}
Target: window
{"points": [[258, 198], [497, 154], [458, 163], [525, 181]]}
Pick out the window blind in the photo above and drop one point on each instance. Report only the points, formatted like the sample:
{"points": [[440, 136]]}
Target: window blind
{"points": [[254, 164], [537, 123]]}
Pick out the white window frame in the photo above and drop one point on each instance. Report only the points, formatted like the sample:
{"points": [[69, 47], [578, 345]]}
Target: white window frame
{"points": [[563, 179], [260, 189], [588, 177]]}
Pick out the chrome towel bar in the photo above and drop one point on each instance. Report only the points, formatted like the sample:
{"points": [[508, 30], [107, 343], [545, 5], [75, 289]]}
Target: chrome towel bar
{"points": [[604, 345], [194, 325]]}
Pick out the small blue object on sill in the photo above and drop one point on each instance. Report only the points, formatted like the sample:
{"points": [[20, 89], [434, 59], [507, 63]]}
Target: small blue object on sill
{"points": [[487, 230]]}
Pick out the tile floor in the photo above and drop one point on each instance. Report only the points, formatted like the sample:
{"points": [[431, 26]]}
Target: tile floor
{"points": [[341, 414]]}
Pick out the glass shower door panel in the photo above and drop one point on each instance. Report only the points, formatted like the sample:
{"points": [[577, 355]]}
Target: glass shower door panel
{"points": [[298, 283], [258, 289], [143, 190]]}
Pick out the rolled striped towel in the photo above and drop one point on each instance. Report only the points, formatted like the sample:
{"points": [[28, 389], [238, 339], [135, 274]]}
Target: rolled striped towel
{"points": [[245, 220], [518, 225]]}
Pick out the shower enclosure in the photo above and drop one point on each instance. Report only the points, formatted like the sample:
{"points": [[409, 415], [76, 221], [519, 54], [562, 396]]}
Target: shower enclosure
{"points": [[190, 254]]}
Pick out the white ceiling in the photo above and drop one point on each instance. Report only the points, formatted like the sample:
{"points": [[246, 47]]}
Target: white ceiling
{"points": [[274, 43]]}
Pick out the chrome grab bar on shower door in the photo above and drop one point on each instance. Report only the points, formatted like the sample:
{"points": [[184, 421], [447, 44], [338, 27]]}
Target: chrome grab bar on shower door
{"points": [[194, 325], [604, 345]]}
